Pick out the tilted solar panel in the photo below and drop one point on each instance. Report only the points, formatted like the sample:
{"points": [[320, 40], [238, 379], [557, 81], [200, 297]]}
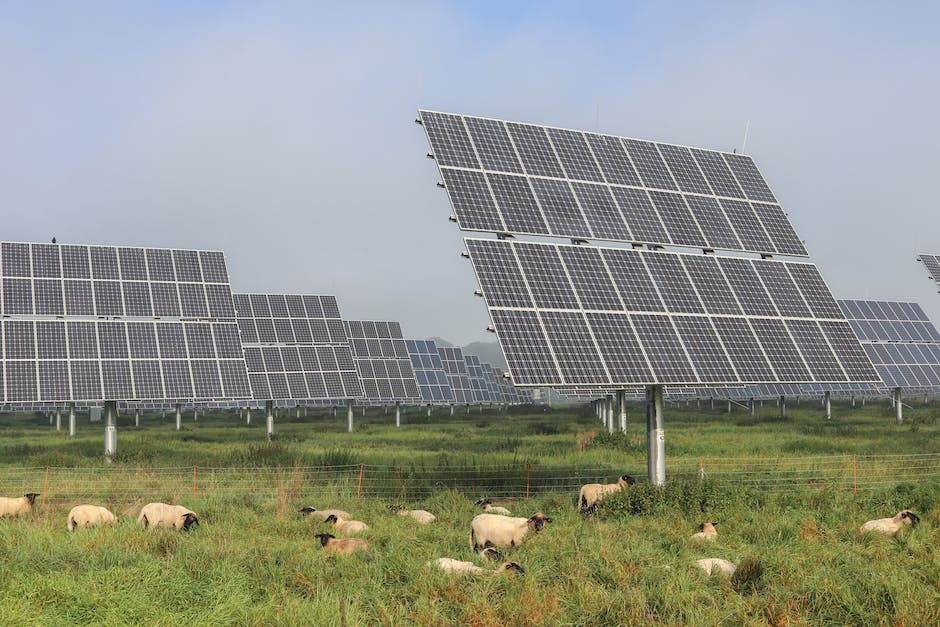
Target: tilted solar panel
{"points": [[457, 377], [429, 371], [932, 263], [382, 360]]}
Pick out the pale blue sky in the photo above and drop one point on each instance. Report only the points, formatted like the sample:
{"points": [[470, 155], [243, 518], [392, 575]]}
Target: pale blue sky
{"points": [[283, 132]]}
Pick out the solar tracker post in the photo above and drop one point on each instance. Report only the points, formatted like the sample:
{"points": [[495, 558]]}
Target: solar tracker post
{"points": [[248, 415], [622, 409], [609, 410], [137, 417], [349, 415], [751, 404], [655, 436], [110, 429], [898, 406], [828, 402], [269, 419], [58, 419], [783, 406], [397, 413], [72, 420]]}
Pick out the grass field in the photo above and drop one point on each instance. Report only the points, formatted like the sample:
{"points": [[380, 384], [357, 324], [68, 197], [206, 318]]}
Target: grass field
{"points": [[253, 559]]}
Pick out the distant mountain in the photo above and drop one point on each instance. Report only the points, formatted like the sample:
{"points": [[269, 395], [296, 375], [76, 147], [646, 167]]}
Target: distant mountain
{"points": [[490, 352]]}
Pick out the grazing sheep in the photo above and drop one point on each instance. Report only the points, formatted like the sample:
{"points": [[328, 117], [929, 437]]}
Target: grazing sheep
{"points": [[323, 514], [706, 531], [89, 516], [457, 567], [892, 525], [343, 546], [163, 515], [421, 516], [346, 527], [713, 566], [592, 493], [17, 507], [487, 506], [503, 531], [492, 555]]}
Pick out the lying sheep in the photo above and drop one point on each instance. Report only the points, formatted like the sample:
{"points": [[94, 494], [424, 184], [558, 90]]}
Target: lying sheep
{"points": [[421, 516], [17, 507], [163, 515], [487, 506], [457, 567], [343, 546], [503, 531], [89, 516], [706, 531], [713, 566], [892, 525], [323, 514], [592, 493], [346, 527]]}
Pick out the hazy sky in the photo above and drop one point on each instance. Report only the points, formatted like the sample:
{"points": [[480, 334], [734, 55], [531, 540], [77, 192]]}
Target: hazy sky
{"points": [[283, 133]]}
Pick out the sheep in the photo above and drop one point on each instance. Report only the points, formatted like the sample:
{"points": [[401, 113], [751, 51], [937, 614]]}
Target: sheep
{"points": [[346, 527], [89, 516], [706, 531], [449, 565], [592, 493], [892, 525], [17, 507], [163, 515], [419, 515], [343, 546], [492, 555], [487, 506], [713, 566], [323, 514], [503, 531]]}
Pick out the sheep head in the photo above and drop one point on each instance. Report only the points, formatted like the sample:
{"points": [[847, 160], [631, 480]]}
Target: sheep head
{"points": [[31, 497], [626, 480], [306, 511], [484, 502], [538, 521], [489, 553], [512, 567], [909, 518], [324, 538], [331, 519], [189, 520]]}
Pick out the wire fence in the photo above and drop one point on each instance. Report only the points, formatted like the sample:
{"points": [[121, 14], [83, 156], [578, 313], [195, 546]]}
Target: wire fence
{"points": [[405, 484]]}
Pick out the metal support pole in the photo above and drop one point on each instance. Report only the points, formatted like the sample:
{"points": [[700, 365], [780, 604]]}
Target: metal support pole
{"points": [[136, 417], [58, 419], [853, 402], [729, 405], [71, 420], [712, 399], [451, 409], [195, 414], [655, 436], [248, 415], [179, 417], [898, 406], [783, 406], [269, 419], [828, 403], [429, 410], [363, 411], [398, 413], [110, 429], [622, 409], [751, 403], [609, 411], [349, 415]]}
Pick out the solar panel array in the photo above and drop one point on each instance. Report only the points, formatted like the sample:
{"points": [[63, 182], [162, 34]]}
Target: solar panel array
{"points": [[296, 347], [457, 377], [508, 177], [932, 263], [585, 316], [382, 360], [899, 339], [429, 372], [478, 382], [94, 323]]}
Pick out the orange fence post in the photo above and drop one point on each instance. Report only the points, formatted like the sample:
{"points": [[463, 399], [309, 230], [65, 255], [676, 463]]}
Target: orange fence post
{"points": [[359, 489], [45, 486], [528, 480], [194, 482], [854, 475]]}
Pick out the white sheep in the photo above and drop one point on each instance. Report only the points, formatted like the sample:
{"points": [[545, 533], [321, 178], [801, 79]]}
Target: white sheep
{"points": [[89, 516], [163, 515], [706, 531], [346, 527], [592, 493], [421, 516], [714, 565], [343, 546], [487, 506], [503, 531], [17, 506], [892, 525], [449, 565], [323, 514]]}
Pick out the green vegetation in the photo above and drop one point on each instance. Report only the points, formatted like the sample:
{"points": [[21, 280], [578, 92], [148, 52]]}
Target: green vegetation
{"points": [[253, 560]]}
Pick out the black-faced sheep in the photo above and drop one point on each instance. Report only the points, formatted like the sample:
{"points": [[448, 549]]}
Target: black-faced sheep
{"points": [[346, 527], [503, 531], [706, 531], [163, 515], [713, 566], [892, 525], [421, 516], [18, 506], [592, 493], [492, 555], [323, 514], [89, 516], [343, 546], [487, 506], [457, 567]]}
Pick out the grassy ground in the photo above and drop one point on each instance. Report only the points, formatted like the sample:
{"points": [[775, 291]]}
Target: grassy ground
{"points": [[254, 560]]}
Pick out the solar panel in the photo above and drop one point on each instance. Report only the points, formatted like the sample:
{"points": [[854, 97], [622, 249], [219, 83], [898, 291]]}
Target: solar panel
{"points": [[537, 180], [494, 383], [296, 347], [457, 377], [557, 330], [478, 381], [382, 361], [900, 340], [82, 324], [429, 371], [932, 263]]}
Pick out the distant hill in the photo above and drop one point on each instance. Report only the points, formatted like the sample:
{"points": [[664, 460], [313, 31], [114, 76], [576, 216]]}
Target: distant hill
{"points": [[490, 352]]}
